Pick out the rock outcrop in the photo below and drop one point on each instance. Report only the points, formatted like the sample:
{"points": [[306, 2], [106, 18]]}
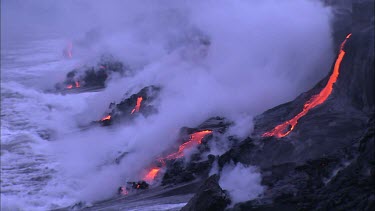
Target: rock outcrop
{"points": [[88, 78], [129, 108], [209, 197]]}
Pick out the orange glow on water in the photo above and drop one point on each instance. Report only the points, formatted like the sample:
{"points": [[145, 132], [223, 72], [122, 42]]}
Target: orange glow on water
{"points": [[285, 128], [138, 105]]}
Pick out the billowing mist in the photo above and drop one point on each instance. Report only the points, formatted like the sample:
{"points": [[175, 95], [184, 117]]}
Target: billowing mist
{"points": [[242, 182], [211, 58]]}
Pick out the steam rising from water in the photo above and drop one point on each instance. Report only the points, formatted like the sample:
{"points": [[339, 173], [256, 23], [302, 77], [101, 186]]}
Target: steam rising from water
{"points": [[261, 54]]}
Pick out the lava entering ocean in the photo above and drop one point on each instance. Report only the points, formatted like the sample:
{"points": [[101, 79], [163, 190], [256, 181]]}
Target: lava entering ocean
{"points": [[138, 105], [285, 128], [194, 139]]}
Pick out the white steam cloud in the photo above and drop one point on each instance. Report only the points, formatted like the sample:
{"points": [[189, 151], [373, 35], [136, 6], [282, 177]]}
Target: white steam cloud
{"points": [[242, 183], [261, 54]]}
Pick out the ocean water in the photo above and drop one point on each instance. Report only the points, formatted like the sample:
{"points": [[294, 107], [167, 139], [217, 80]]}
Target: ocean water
{"points": [[30, 117], [49, 161], [33, 123]]}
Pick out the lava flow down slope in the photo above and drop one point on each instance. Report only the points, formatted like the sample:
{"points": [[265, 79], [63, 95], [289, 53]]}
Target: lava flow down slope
{"points": [[313, 153], [285, 128], [317, 151], [208, 105]]}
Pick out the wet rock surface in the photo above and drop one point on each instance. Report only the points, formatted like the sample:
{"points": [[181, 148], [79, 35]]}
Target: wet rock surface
{"points": [[209, 197]]}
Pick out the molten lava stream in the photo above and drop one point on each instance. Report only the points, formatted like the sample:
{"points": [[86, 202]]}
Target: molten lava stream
{"points": [[285, 128], [106, 118], [195, 139], [77, 84], [150, 176], [69, 86], [138, 105]]}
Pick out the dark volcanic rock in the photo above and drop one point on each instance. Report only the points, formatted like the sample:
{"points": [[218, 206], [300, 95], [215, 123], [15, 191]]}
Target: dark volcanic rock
{"points": [[209, 197], [178, 172], [93, 77], [353, 186], [138, 185], [198, 166], [327, 161], [322, 184], [342, 118], [148, 94], [123, 111], [342, 18]]}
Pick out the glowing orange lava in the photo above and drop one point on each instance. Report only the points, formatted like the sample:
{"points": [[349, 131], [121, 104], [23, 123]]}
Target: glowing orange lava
{"points": [[106, 118], [150, 176], [138, 105], [76, 85], [285, 128], [195, 139]]}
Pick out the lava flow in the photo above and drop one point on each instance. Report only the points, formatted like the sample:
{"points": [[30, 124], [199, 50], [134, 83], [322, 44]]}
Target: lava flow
{"points": [[151, 174], [138, 105], [106, 118], [70, 86], [285, 128], [195, 139]]}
